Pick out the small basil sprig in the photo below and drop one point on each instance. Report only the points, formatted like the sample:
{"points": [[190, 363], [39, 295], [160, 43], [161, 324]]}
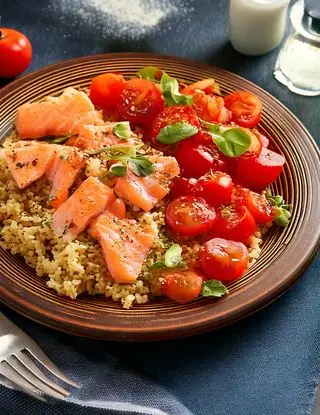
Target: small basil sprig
{"points": [[122, 130], [141, 166], [173, 133], [213, 288], [151, 73], [168, 85], [232, 142], [170, 90], [172, 258], [281, 213], [125, 156]]}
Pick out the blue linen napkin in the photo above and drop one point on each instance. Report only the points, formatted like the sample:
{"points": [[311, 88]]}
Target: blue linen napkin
{"points": [[267, 364]]}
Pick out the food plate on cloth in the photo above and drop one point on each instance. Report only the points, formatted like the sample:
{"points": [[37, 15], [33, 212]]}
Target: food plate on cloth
{"points": [[147, 197]]}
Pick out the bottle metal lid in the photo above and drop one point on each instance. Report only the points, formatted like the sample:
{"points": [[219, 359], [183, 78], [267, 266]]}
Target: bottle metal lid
{"points": [[305, 18]]}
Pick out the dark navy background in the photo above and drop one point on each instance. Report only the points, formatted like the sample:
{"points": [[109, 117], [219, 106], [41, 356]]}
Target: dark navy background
{"points": [[267, 364]]}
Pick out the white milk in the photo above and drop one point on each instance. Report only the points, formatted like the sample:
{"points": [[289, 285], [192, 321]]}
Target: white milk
{"points": [[257, 26]]}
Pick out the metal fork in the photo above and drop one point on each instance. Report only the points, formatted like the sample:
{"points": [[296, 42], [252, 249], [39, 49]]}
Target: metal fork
{"points": [[18, 369]]}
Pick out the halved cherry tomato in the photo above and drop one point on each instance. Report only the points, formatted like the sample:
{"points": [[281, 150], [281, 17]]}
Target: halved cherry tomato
{"points": [[224, 260], [190, 216], [235, 223], [172, 115], [15, 53], [259, 172], [105, 90], [239, 195], [259, 207], [208, 86], [211, 108], [181, 186], [246, 108], [118, 208], [215, 188], [140, 101], [196, 160], [183, 286]]}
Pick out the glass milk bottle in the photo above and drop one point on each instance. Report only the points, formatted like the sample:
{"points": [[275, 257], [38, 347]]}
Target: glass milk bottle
{"points": [[257, 26]]}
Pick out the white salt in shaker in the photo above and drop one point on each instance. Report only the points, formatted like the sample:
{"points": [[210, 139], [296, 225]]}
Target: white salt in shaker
{"points": [[257, 26]]}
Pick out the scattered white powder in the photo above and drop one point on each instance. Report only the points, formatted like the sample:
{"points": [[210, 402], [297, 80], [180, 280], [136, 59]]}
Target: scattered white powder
{"points": [[122, 18]]}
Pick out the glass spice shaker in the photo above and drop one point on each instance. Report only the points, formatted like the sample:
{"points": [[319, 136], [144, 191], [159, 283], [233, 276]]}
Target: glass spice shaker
{"points": [[298, 63]]}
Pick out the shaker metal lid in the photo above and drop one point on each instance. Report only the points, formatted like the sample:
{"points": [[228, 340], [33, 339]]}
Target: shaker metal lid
{"points": [[305, 18]]}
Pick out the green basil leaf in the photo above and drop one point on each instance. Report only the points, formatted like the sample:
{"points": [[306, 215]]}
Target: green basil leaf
{"points": [[173, 257], [174, 133], [281, 216], [151, 73], [170, 90], [213, 288], [141, 166], [122, 130], [115, 151], [118, 170], [212, 128], [233, 142], [59, 140], [275, 200]]}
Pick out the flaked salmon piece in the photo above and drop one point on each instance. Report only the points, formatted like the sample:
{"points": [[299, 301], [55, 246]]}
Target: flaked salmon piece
{"points": [[96, 137], [28, 164], [62, 172], [125, 245], [146, 192], [56, 116], [73, 216]]}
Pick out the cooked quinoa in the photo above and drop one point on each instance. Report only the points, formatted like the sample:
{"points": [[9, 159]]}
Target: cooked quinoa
{"points": [[76, 267]]}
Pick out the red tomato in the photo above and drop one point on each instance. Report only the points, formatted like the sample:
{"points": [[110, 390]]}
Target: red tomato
{"points": [[181, 186], [235, 223], [211, 108], [245, 107], [182, 287], [259, 207], [224, 260], [105, 90], [140, 101], [190, 216], [258, 172], [215, 188], [196, 160], [208, 86], [172, 115], [15, 53]]}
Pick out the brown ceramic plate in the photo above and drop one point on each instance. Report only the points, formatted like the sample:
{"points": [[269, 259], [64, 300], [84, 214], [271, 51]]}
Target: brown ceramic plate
{"points": [[285, 254]]}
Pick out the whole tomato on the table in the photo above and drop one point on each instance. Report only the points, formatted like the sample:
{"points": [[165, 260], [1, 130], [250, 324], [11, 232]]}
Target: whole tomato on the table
{"points": [[140, 101], [223, 259], [15, 53], [190, 216]]}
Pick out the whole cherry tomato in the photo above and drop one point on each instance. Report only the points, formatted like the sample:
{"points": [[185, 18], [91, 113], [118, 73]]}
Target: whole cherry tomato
{"points": [[105, 90], [182, 286], [15, 53]]}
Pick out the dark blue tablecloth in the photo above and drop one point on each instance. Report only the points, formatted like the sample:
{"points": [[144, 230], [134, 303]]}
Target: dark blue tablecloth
{"points": [[267, 364]]}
